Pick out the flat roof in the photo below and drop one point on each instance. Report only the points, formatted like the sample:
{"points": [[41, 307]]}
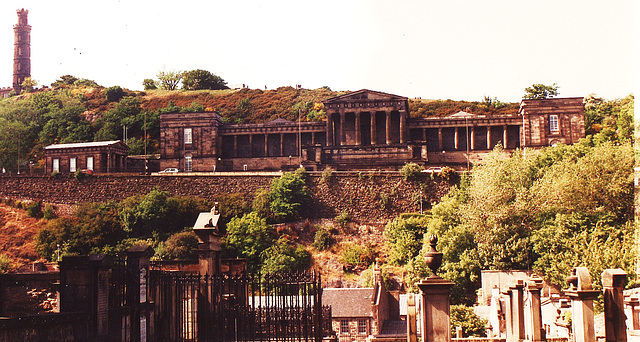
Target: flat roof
{"points": [[83, 144]]}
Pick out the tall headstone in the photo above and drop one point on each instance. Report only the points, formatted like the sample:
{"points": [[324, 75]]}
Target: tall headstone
{"points": [[582, 296], [21, 50], [615, 327], [514, 312], [533, 314]]}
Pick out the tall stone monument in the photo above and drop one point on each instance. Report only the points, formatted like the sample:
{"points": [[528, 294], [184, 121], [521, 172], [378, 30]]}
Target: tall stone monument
{"points": [[21, 50]]}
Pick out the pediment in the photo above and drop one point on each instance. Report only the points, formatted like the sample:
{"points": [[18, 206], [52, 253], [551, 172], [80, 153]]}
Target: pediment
{"points": [[365, 95]]}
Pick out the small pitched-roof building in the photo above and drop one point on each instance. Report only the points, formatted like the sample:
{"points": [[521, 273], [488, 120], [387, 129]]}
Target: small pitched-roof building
{"points": [[99, 156]]}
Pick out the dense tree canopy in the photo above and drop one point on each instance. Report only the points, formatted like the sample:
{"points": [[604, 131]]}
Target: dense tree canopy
{"points": [[201, 79], [540, 91]]}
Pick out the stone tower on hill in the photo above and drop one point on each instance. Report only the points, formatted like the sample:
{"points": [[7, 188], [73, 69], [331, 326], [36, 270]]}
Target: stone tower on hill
{"points": [[22, 50]]}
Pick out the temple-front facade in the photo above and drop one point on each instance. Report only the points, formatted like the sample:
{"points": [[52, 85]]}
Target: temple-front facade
{"points": [[363, 130]]}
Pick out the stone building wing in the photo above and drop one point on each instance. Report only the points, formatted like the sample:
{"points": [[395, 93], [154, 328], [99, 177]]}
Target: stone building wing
{"points": [[98, 156]]}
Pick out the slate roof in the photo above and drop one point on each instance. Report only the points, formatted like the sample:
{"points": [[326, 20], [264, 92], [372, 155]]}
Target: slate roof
{"points": [[207, 220], [348, 302], [85, 144]]}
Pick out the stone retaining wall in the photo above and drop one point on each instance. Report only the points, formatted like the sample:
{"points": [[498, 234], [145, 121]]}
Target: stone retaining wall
{"points": [[365, 196]]}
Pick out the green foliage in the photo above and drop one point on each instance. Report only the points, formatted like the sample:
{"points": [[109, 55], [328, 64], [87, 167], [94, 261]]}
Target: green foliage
{"points": [[540, 91], [260, 204], [6, 264], [287, 195], [202, 79], [64, 81], [342, 219], [411, 171], [49, 212], [169, 80], [179, 246], [83, 82], [283, 257], [232, 205], [149, 84], [355, 256], [113, 94], [609, 120], [405, 237], [472, 325], [247, 237], [34, 209], [322, 239], [327, 175]]}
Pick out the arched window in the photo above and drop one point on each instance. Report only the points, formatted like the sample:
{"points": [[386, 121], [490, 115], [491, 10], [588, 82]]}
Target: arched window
{"points": [[188, 163]]}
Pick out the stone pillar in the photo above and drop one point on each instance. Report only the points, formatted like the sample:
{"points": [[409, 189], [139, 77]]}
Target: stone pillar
{"points": [[504, 137], [533, 316], [341, 131], [412, 333], [515, 312], [403, 126], [374, 131], [615, 327], [473, 138], [435, 299], [488, 137], [388, 128], [633, 308], [84, 287], [582, 296], [282, 144], [137, 270], [455, 138], [235, 146], [329, 129], [358, 130], [495, 312], [209, 250], [266, 145], [250, 145], [439, 138]]}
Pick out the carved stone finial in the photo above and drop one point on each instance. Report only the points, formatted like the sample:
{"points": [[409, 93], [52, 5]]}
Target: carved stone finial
{"points": [[433, 258]]}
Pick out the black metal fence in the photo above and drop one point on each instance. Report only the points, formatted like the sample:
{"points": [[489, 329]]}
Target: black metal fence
{"points": [[271, 307]]}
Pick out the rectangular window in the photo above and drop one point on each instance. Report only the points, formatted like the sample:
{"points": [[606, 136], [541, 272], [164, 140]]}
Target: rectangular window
{"points": [[188, 138], [90, 163], [56, 165], [362, 326], [187, 164], [553, 123], [72, 164], [344, 326]]}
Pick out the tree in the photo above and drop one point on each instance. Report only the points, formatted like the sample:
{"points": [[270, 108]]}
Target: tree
{"points": [[28, 84], [540, 91], [202, 79], [169, 80], [247, 237], [471, 324], [64, 81], [405, 238], [287, 195], [284, 257], [149, 84], [114, 93]]}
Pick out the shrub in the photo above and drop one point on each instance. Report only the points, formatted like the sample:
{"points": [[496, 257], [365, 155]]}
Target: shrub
{"points": [[49, 212], [114, 94], [411, 171], [182, 245], [55, 174], [79, 175], [464, 316], [327, 175], [287, 195], [447, 173], [149, 84], [34, 209], [283, 257], [6, 264], [356, 256], [343, 218], [323, 239]]}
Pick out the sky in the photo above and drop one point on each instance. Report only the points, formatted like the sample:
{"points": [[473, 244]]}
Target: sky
{"points": [[459, 50]]}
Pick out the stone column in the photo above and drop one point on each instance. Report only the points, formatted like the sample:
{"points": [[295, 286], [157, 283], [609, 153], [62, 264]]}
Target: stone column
{"points": [[504, 137], [435, 299], [439, 138], [282, 144], [615, 327], [235, 146], [473, 138], [374, 131], [515, 312], [250, 145], [582, 296], [403, 126], [138, 269], [455, 138], [329, 129], [340, 138], [488, 137], [412, 333], [533, 324], [266, 145], [388, 128], [358, 131]]}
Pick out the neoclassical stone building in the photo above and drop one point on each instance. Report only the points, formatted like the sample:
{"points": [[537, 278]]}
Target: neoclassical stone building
{"points": [[364, 130]]}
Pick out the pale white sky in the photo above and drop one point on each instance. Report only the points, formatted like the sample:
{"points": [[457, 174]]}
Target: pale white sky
{"points": [[461, 50]]}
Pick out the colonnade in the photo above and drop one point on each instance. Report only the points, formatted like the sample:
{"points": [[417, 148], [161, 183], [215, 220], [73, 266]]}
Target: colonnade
{"points": [[350, 128], [269, 144], [475, 137]]}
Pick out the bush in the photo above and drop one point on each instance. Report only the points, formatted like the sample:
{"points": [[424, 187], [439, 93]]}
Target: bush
{"points": [[149, 84], [287, 195], [464, 316], [411, 171], [6, 264], [247, 237], [343, 218], [355, 256], [447, 173], [79, 175], [327, 175], [323, 239], [182, 245], [283, 257], [55, 174], [34, 209], [49, 212], [114, 94]]}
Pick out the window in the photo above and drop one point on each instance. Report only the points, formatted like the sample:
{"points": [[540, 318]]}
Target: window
{"points": [[72, 164], [362, 326], [553, 123], [187, 163], [56, 165], [90, 163], [188, 138], [344, 326]]}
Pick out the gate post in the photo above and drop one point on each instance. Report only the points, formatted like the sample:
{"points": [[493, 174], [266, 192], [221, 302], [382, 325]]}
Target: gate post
{"points": [[582, 296], [514, 312], [435, 298], [137, 271], [615, 327], [533, 316]]}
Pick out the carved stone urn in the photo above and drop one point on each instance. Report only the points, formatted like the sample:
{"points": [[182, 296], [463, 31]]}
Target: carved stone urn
{"points": [[433, 258]]}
